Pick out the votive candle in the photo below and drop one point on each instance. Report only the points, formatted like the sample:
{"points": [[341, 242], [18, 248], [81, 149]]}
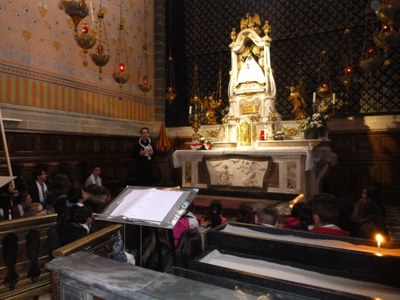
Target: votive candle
{"points": [[379, 239]]}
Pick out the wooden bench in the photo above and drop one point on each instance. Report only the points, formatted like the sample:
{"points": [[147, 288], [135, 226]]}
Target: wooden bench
{"points": [[96, 242], [92, 242], [25, 288]]}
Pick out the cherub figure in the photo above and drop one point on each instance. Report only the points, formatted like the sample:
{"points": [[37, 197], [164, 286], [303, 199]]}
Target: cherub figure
{"points": [[233, 34], [267, 28]]}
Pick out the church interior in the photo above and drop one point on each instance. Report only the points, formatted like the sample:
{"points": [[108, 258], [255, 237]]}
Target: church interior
{"points": [[157, 149]]}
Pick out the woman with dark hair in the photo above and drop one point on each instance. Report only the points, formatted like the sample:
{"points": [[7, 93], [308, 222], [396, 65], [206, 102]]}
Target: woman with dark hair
{"points": [[78, 225], [245, 214], [189, 247], [370, 221]]}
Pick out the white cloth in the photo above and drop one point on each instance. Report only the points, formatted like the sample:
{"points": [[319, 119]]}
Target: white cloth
{"points": [[93, 180], [301, 276]]}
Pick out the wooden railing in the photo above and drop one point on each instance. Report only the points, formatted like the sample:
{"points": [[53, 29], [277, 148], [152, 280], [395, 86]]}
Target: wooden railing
{"points": [[25, 288]]}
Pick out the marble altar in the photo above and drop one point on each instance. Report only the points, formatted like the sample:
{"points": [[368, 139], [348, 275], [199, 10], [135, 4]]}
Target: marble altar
{"points": [[274, 169]]}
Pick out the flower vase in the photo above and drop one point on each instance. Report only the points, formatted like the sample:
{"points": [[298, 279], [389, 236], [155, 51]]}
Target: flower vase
{"points": [[311, 134]]}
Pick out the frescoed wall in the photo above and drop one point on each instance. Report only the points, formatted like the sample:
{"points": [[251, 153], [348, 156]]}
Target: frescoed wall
{"points": [[41, 65]]}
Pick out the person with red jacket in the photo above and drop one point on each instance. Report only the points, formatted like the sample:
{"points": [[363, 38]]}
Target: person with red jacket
{"points": [[325, 211]]}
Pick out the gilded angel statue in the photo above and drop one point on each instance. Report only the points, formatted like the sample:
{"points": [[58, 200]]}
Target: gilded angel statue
{"points": [[296, 96]]}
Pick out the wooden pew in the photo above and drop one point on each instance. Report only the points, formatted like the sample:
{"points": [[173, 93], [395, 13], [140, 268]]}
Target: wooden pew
{"points": [[92, 242], [25, 288], [95, 242]]}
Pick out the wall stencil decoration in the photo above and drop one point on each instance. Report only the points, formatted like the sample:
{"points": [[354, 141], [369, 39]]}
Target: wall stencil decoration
{"points": [[42, 8], [26, 34], [41, 65]]}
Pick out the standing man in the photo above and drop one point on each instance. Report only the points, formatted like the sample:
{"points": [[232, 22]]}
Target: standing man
{"points": [[94, 177], [143, 153], [38, 190]]}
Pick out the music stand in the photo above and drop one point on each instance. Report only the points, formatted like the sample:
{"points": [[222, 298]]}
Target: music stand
{"points": [[149, 206]]}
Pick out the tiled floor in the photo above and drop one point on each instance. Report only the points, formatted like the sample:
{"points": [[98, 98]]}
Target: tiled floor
{"points": [[393, 221]]}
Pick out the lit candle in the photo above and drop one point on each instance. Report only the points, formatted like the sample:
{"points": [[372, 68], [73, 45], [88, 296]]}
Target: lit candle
{"points": [[190, 110], [379, 240], [333, 99], [314, 97]]}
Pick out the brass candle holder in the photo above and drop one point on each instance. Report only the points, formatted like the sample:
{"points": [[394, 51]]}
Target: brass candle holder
{"points": [[196, 116]]}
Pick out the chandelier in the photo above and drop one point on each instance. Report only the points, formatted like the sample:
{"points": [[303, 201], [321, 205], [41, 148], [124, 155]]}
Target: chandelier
{"points": [[76, 9], [101, 56]]}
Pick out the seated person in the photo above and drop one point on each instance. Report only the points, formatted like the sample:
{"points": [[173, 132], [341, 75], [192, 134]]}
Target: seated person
{"points": [[325, 211], [34, 209], [187, 221], [38, 190], [370, 222], [300, 217], [94, 177], [214, 215], [267, 216], [77, 226], [189, 247], [245, 214], [98, 197]]}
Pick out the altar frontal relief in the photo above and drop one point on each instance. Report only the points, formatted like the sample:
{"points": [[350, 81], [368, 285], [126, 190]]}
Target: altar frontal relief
{"points": [[238, 172]]}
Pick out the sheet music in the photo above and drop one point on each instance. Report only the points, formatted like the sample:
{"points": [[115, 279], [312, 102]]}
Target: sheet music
{"points": [[149, 205]]}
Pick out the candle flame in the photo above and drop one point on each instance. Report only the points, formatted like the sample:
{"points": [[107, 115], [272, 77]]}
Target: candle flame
{"points": [[379, 239], [295, 200]]}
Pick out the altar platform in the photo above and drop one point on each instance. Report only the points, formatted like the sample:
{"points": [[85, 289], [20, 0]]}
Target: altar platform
{"points": [[283, 167]]}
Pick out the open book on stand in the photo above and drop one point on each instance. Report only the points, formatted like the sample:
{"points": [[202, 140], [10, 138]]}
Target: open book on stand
{"points": [[154, 207]]}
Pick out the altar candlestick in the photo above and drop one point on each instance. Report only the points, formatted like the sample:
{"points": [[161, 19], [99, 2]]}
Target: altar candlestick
{"points": [[333, 99], [190, 110], [314, 99]]}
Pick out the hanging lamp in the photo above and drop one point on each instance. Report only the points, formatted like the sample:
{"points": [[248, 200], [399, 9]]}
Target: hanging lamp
{"points": [[121, 68], [86, 38], [101, 55], [347, 61], [370, 59], [144, 83], [170, 95], [388, 11], [76, 9]]}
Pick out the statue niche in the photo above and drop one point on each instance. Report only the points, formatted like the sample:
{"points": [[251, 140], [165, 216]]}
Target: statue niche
{"points": [[252, 89]]}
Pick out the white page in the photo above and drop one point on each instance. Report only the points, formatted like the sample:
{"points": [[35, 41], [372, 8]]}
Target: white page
{"points": [[148, 205]]}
